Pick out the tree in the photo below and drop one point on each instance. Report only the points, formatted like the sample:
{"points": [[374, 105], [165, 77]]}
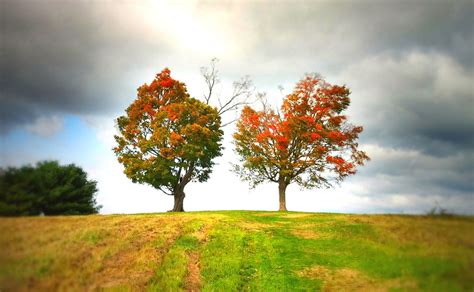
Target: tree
{"points": [[309, 142], [168, 139], [48, 188]]}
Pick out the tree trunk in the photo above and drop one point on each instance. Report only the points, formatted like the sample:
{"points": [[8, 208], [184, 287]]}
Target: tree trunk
{"points": [[178, 192], [178, 201], [282, 192]]}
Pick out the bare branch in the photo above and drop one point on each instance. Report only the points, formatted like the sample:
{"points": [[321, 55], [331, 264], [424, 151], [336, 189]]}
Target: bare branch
{"points": [[211, 78], [229, 122], [240, 96], [262, 97]]}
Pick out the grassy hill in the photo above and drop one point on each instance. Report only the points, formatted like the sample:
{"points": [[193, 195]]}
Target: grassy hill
{"points": [[235, 250]]}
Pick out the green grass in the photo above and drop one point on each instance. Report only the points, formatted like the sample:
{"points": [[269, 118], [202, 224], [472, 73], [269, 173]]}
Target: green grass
{"points": [[237, 250]]}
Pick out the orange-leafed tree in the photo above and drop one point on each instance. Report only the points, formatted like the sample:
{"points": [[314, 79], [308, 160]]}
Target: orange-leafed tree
{"points": [[309, 141], [168, 139]]}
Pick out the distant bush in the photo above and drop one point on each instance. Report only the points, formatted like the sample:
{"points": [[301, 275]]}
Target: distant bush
{"points": [[47, 188]]}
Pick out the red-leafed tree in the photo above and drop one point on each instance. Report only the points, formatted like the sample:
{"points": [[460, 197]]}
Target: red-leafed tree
{"points": [[309, 142], [168, 139]]}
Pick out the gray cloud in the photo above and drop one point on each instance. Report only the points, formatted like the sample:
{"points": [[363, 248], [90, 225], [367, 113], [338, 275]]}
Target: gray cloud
{"points": [[402, 171], [77, 57], [421, 101], [68, 57], [285, 37]]}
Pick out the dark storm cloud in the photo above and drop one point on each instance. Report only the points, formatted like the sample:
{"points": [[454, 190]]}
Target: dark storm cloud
{"points": [[420, 101], [67, 57], [418, 111], [409, 171]]}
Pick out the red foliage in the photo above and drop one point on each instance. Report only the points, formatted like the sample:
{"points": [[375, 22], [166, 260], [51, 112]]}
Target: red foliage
{"points": [[167, 82], [282, 142], [314, 136], [254, 120], [335, 160], [336, 136], [308, 134]]}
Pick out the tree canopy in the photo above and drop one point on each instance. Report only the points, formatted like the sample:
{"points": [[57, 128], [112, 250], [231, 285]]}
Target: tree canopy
{"points": [[47, 188], [168, 139], [309, 142]]}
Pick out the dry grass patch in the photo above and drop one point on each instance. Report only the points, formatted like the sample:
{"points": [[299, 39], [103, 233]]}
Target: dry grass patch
{"points": [[253, 226], [135, 262], [306, 233], [297, 215], [267, 214], [84, 252], [435, 234], [352, 280], [202, 233]]}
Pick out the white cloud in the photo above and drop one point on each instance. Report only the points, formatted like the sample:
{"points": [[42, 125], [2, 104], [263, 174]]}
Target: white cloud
{"points": [[46, 126]]}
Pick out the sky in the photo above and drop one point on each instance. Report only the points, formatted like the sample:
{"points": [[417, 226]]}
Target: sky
{"points": [[70, 68]]}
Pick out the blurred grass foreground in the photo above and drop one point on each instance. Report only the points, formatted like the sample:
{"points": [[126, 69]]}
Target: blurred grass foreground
{"points": [[237, 250]]}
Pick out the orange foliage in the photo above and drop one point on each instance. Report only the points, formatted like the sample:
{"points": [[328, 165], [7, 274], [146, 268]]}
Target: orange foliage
{"points": [[176, 139], [164, 132]]}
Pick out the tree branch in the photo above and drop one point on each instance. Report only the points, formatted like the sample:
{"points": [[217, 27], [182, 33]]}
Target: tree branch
{"points": [[241, 94]]}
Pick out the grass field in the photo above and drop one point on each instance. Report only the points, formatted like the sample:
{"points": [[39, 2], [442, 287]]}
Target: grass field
{"points": [[236, 250]]}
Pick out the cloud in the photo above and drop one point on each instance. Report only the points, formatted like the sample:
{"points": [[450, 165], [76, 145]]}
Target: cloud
{"points": [[284, 39], [72, 58], [88, 58], [76, 57], [393, 171], [419, 100], [46, 126]]}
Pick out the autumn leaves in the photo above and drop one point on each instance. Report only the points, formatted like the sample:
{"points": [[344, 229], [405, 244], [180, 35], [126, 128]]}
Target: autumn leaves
{"points": [[168, 139], [308, 141]]}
